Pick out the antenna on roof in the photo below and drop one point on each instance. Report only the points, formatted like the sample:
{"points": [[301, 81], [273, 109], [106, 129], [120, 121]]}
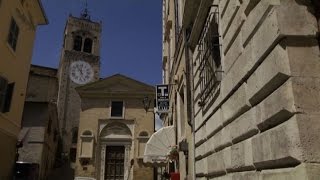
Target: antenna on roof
{"points": [[85, 13]]}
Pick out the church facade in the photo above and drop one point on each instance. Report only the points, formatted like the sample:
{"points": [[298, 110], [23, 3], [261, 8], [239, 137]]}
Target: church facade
{"points": [[114, 127]]}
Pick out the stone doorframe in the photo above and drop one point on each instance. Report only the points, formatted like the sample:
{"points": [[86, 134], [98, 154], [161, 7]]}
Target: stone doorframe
{"points": [[127, 156]]}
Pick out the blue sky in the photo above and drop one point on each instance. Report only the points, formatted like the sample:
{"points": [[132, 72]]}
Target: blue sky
{"points": [[131, 36]]}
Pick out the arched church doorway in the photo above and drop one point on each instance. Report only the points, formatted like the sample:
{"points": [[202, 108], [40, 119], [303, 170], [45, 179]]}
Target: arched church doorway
{"points": [[115, 147]]}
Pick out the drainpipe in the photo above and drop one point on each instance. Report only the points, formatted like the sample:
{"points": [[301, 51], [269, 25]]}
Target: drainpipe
{"points": [[190, 93]]}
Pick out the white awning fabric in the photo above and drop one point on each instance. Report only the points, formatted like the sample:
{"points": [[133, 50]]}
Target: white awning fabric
{"points": [[159, 146]]}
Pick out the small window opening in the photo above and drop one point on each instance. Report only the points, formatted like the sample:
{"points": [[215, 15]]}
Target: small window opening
{"points": [[116, 109], [77, 43], [13, 34], [87, 45], [143, 134]]}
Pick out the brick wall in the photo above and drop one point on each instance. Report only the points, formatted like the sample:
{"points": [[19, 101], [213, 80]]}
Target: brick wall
{"points": [[263, 124]]}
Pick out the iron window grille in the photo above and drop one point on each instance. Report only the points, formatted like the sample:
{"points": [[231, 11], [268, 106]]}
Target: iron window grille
{"points": [[210, 58]]}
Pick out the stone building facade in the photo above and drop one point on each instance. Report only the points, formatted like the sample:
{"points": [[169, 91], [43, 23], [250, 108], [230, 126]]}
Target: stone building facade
{"points": [[114, 127], [19, 21], [176, 74], [254, 68], [39, 133]]}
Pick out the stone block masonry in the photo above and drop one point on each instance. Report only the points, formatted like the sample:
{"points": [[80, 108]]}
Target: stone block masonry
{"points": [[265, 122]]}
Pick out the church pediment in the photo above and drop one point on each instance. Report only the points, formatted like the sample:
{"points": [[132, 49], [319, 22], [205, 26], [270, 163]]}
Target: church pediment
{"points": [[115, 84]]}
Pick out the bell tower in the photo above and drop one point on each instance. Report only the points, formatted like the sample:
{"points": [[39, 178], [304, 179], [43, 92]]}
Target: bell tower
{"points": [[79, 65]]}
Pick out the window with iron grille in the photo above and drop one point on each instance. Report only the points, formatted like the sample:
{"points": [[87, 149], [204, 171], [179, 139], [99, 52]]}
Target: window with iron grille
{"points": [[210, 59], [13, 34]]}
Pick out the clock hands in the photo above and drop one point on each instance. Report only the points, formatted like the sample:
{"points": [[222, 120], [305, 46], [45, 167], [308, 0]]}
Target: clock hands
{"points": [[81, 72]]}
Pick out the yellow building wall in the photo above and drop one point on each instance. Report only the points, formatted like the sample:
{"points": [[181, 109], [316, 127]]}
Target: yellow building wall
{"points": [[14, 66]]}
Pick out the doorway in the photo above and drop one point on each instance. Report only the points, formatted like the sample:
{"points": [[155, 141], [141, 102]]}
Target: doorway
{"points": [[114, 163]]}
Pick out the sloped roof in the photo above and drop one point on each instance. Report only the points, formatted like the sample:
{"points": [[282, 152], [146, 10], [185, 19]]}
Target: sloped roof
{"points": [[116, 85]]}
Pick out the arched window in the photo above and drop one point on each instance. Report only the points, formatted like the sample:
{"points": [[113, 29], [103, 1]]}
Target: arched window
{"points": [[77, 43], [87, 45], [143, 134], [87, 133]]}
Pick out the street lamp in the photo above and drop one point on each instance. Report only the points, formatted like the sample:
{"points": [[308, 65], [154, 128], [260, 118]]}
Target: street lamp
{"points": [[146, 103]]}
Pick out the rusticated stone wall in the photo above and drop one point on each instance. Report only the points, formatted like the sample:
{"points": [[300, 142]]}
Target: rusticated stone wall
{"points": [[265, 120]]}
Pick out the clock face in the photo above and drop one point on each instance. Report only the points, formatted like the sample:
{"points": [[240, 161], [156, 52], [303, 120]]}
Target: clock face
{"points": [[81, 72]]}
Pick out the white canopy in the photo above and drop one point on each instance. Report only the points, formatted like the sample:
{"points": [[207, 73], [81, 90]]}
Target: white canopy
{"points": [[159, 145]]}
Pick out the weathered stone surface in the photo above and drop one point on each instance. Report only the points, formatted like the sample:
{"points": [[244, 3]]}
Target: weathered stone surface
{"points": [[255, 18], [227, 157], [225, 177], [235, 75], [306, 94], [304, 56], [210, 145], [294, 18], [216, 164], [278, 147], [200, 135], [309, 128], [249, 175], [273, 72], [200, 150], [223, 4], [235, 26], [244, 126], [230, 12], [202, 166], [304, 171], [232, 55], [241, 156], [222, 139], [198, 119], [297, 95], [235, 105], [277, 107], [214, 124]]}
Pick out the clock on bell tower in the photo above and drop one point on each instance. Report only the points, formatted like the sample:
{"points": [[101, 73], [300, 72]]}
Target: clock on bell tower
{"points": [[79, 65]]}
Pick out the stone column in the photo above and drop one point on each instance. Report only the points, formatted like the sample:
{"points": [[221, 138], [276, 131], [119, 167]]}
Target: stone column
{"points": [[127, 161], [103, 160]]}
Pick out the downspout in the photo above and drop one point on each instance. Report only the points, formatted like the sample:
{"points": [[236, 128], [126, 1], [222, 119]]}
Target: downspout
{"points": [[190, 93]]}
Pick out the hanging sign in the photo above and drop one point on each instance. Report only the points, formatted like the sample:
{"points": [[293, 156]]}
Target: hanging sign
{"points": [[162, 98]]}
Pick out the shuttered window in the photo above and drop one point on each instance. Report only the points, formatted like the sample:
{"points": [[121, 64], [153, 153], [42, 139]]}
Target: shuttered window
{"points": [[8, 98], [13, 34], [3, 91]]}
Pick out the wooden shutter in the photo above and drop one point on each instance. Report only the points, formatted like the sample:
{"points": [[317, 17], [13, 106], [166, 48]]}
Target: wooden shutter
{"points": [[3, 90], [8, 97]]}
